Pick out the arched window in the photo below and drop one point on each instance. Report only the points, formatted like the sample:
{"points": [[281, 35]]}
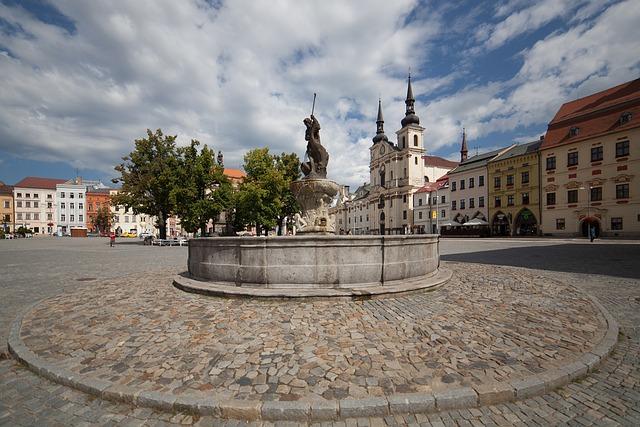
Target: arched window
{"points": [[402, 142], [415, 160], [415, 140]]}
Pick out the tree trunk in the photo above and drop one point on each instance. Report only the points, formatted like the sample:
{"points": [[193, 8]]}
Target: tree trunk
{"points": [[162, 225], [203, 230]]}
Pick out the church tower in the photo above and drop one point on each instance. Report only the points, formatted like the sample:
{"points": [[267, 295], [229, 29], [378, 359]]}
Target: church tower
{"points": [[463, 149], [411, 143]]}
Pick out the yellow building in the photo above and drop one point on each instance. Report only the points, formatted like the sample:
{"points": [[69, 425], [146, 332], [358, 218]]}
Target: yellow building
{"points": [[6, 208], [590, 165], [513, 184]]}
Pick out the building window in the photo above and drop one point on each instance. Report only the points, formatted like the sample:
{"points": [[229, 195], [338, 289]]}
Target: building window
{"points": [[62, 194], [596, 194], [80, 206], [49, 196], [443, 199], [419, 202], [442, 213], [551, 163], [574, 131], [19, 204], [496, 182], [597, 154], [80, 196], [622, 191], [481, 181], [72, 218], [72, 205], [18, 194], [62, 205], [126, 218], [36, 216], [415, 160], [453, 205], [510, 200], [63, 218], [481, 202], [471, 183], [49, 205], [572, 158], [80, 218], [622, 148], [509, 179], [19, 215], [404, 200], [415, 144], [27, 195], [551, 199], [420, 215], [616, 223], [472, 203], [49, 216], [525, 198], [572, 196], [27, 204], [35, 195], [462, 203], [559, 223], [525, 177], [35, 204], [497, 202], [27, 216], [462, 184], [6, 204], [404, 214], [71, 195], [453, 186]]}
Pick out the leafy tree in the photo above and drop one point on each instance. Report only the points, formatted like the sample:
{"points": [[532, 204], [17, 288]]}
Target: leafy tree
{"points": [[264, 198], [204, 190], [102, 220], [149, 178]]}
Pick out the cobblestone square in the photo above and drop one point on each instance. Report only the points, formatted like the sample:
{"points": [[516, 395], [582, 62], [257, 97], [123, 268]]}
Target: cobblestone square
{"points": [[111, 314]]}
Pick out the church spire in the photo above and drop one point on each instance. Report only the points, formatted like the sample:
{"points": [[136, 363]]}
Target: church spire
{"points": [[463, 149], [380, 136], [410, 114]]}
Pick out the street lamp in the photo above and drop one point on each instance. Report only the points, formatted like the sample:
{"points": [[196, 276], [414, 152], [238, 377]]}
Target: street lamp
{"points": [[587, 219]]}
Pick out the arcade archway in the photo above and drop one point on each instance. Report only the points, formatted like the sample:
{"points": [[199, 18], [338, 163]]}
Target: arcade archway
{"points": [[526, 223], [500, 225], [590, 222]]}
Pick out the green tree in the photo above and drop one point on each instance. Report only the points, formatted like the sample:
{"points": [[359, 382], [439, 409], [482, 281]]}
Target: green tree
{"points": [[264, 198], [204, 190], [102, 220], [149, 178]]}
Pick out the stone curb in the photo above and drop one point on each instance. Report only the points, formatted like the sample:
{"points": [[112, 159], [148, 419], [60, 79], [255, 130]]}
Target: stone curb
{"points": [[401, 403], [428, 282]]}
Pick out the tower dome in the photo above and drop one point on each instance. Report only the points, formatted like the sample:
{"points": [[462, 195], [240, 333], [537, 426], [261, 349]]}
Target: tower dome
{"points": [[410, 117]]}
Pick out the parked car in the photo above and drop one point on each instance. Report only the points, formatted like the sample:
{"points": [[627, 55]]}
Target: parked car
{"points": [[145, 234], [129, 234]]}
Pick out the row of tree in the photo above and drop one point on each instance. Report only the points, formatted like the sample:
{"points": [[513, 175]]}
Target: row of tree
{"points": [[160, 179]]}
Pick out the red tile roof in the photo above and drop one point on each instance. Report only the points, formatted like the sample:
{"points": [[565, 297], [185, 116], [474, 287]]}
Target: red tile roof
{"points": [[36, 182], [432, 186], [6, 189], [234, 173], [439, 162], [595, 115]]}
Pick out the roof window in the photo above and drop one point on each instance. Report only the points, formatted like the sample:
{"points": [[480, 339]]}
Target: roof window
{"points": [[625, 117], [574, 131]]}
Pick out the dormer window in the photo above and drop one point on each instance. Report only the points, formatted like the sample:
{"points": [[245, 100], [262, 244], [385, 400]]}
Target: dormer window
{"points": [[625, 117], [574, 131]]}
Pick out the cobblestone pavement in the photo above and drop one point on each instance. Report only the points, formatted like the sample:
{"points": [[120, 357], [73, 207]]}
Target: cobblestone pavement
{"points": [[610, 396], [485, 326]]}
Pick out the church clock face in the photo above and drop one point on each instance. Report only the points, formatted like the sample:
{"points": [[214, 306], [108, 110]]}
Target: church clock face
{"points": [[382, 150]]}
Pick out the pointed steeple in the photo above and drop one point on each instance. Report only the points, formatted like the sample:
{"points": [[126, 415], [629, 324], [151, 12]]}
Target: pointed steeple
{"points": [[410, 114], [380, 136], [463, 149]]}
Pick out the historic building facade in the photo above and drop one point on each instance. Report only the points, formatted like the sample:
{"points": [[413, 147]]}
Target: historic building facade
{"points": [[97, 199], [514, 203], [385, 204], [35, 204], [590, 165], [71, 206], [6, 208]]}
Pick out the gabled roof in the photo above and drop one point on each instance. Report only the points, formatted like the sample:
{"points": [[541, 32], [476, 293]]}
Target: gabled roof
{"points": [[428, 187], [37, 182], [518, 150], [478, 160], [234, 173], [595, 115], [6, 189], [439, 162]]}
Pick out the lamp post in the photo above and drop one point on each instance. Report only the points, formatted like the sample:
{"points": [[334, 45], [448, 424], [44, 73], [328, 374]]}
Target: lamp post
{"points": [[587, 218]]}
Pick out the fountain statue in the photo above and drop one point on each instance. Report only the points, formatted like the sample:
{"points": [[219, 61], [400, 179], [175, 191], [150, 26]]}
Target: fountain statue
{"points": [[314, 192]]}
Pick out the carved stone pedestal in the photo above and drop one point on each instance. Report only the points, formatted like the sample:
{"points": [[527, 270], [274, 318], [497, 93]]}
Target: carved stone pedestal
{"points": [[315, 197]]}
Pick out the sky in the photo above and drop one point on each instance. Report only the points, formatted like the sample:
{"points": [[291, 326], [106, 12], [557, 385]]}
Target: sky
{"points": [[81, 80]]}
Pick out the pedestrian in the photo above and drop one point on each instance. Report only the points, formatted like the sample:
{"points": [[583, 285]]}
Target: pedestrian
{"points": [[592, 233], [112, 239]]}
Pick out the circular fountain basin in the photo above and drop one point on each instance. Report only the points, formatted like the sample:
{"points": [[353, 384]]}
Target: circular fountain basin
{"points": [[314, 262]]}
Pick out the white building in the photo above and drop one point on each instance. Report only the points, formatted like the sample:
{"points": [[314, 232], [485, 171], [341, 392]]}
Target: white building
{"points": [[431, 207], [35, 204], [125, 221], [397, 170], [71, 210]]}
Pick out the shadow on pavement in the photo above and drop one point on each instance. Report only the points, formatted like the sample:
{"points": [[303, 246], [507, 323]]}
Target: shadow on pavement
{"points": [[610, 259]]}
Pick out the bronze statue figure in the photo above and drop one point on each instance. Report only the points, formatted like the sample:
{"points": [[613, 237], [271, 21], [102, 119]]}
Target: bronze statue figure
{"points": [[316, 166]]}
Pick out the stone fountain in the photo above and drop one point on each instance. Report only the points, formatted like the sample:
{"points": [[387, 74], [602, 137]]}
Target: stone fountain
{"points": [[315, 262]]}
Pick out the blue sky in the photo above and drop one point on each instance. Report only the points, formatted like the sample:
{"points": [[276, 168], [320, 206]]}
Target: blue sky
{"points": [[79, 81]]}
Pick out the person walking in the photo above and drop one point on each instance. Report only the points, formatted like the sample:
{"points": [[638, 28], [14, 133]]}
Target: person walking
{"points": [[592, 233], [112, 239]]}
